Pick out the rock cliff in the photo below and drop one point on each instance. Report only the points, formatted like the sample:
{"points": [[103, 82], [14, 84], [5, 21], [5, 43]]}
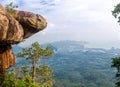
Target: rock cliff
{"points": [[13, 29], [30, 22], [10, 29]]}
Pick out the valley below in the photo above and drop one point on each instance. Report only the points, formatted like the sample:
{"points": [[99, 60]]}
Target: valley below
{"points": [[74, 65]]}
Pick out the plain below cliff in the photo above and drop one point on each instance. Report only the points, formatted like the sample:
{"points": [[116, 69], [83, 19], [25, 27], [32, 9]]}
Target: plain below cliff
{"points": [[86, 67]]}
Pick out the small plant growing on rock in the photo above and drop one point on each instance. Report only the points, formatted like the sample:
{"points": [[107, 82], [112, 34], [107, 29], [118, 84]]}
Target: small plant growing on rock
{"points": [[10, 8]]}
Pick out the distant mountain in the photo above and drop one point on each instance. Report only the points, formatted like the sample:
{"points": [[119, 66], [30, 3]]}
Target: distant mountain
{"points": [[16, 49], [54, 48], [75, 65], [69, 45]]}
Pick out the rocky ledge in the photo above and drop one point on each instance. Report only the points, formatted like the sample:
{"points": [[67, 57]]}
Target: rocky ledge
{"points": [[14, 29]]}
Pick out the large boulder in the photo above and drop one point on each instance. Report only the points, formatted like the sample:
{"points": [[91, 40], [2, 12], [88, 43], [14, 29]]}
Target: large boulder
{"points": [[31, 23], [13, 29], [7, 58]]}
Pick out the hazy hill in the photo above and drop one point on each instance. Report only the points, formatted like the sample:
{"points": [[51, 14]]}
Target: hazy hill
{"points": [[69, 45], [77, 66], [16, 49]]}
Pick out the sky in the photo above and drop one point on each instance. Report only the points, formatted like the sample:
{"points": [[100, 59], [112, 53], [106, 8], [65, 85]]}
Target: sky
{"points": [[78, 20]]}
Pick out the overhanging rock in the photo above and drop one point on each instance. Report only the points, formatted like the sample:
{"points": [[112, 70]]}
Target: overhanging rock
{"points": [[13, 29]]}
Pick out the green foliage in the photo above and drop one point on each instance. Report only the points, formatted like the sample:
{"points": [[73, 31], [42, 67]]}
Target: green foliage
{"points": [[31, 76], [116, 60], [25, 70], [116, 64], [117, 84], [45, 71], [43, 74], [36, 52], [83, 69], [12, 81], [44, 79], [10, 8], [116, 12]]}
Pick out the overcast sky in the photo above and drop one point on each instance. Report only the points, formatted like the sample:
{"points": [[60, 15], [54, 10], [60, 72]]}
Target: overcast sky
{"points": [[80, 20]]}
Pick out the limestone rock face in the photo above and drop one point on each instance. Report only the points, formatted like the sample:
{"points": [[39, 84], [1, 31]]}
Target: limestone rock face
{"points": [[10, 29], [13, 29]]}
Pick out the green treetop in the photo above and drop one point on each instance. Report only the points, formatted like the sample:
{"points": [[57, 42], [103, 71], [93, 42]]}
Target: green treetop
{"points": [[116, 63], [116, 12], [10, 8], [35, 53]]}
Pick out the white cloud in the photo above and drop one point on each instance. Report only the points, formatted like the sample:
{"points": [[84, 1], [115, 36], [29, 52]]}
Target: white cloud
{"points": [[89, 20]]}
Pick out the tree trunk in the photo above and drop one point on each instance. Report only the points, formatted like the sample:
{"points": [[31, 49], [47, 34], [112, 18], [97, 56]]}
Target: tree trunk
{"points": [[118, 69], [34, 70]]}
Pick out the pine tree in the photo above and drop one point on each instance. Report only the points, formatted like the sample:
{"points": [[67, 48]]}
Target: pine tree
{"points": [[35, 53]]}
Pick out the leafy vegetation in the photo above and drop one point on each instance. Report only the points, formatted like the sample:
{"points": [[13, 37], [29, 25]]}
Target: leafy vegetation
{"points": [[83, 69], [76, 66], [116, 12], [116, 64], [31, 75], [12, 81], [116, 60], [35, 53], [10, 8]]}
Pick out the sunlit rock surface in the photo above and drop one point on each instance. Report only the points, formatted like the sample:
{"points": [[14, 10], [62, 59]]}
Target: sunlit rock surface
{"points": [[30, 22], [13, 29]]}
